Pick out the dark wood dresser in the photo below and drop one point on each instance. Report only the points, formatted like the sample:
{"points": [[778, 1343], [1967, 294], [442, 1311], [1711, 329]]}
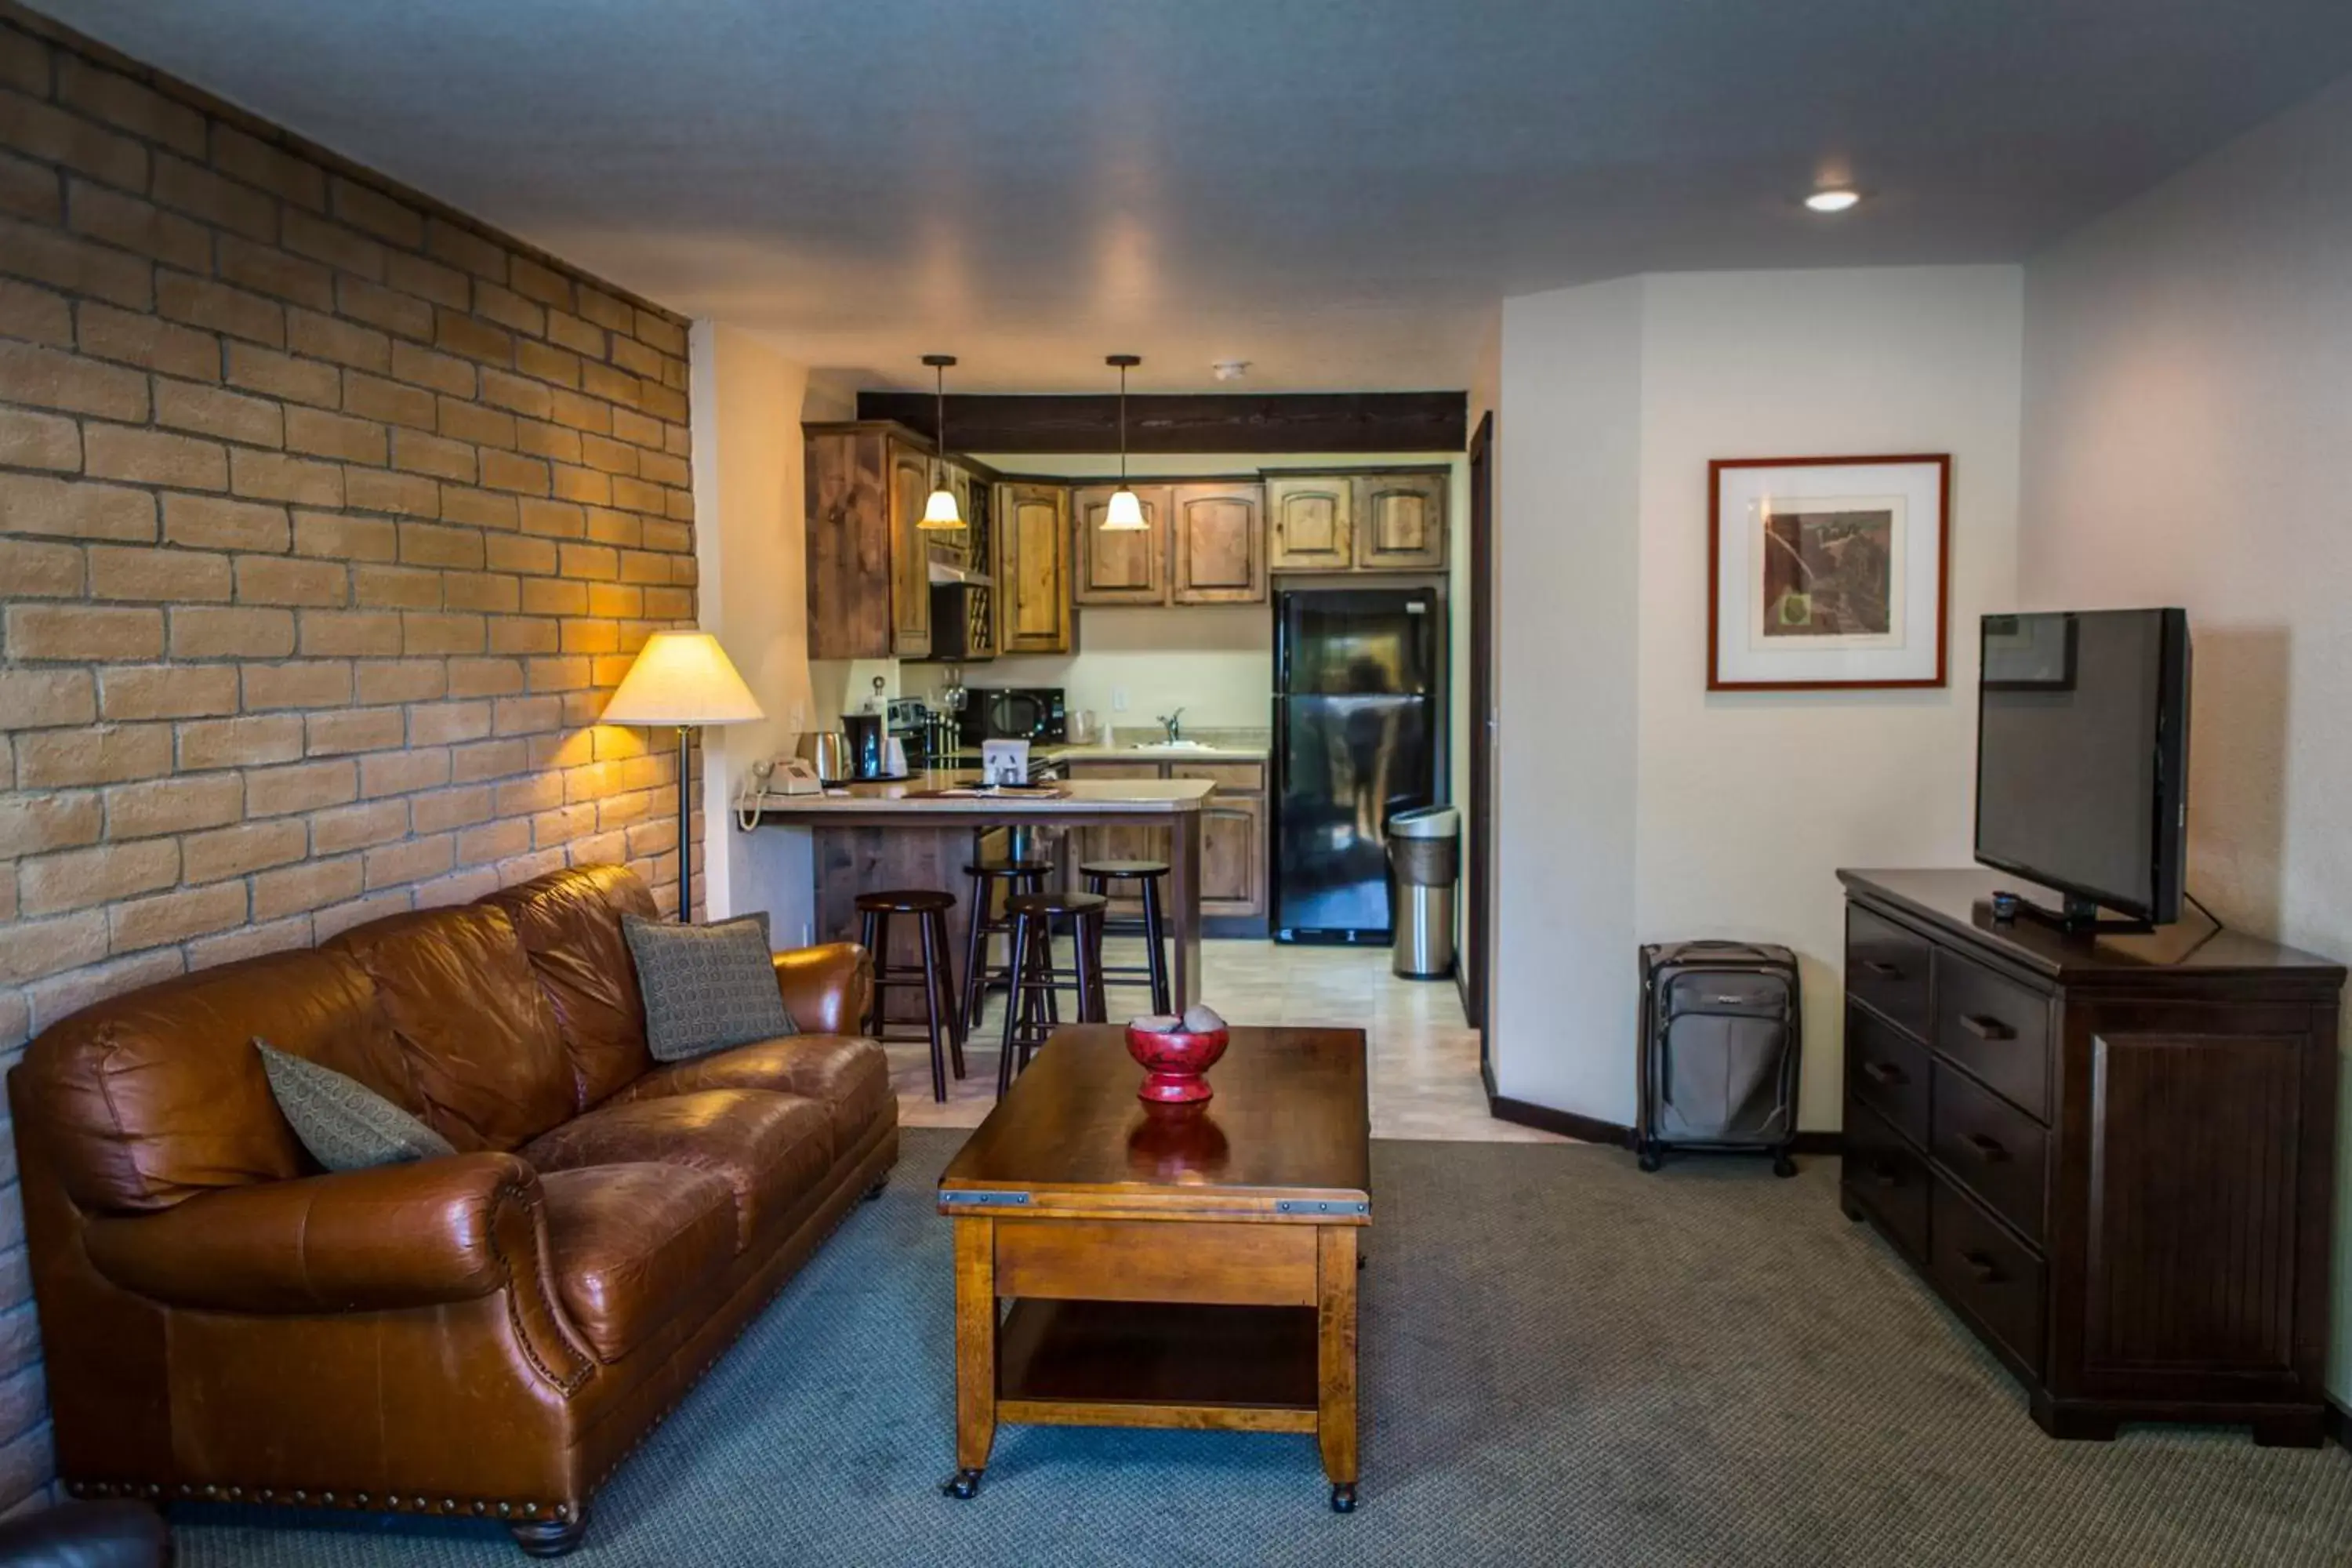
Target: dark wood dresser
{"points": [[2113, 1157]]}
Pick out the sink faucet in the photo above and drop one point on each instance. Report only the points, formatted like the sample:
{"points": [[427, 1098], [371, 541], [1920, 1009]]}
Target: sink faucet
{"points": [[1174, 724]]}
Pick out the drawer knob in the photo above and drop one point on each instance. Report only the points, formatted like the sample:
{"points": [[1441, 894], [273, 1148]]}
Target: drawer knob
{"points": [[1882, 969], [1985, 1028], [1886, 1073], [1981, 1265], [1989, 1150]]}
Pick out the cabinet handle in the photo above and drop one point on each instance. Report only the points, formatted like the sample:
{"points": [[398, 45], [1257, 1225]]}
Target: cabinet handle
{"points": [[1883, 1173], [1987, 1271], [1883, 1072], [1882, 969], [1985, 1028], [1986, 1149]]}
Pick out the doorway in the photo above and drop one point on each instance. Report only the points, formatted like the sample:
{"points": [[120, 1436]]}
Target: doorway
{"points": [[1476, 975]]}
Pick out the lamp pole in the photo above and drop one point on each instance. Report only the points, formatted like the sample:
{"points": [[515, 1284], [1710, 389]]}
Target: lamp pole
{"points": [[684, 828]]}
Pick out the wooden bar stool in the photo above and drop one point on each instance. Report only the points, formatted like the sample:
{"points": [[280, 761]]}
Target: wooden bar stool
{"points": [[1019, 877], [1029, 1004], [945, 1025], [1099, 875]]}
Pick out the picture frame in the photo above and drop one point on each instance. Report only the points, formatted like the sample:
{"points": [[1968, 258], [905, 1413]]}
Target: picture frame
{"points": [[1829, 573]]}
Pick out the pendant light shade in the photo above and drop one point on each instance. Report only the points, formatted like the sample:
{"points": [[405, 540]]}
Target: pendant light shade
{"points": [[1125, 513], [939, 513]]}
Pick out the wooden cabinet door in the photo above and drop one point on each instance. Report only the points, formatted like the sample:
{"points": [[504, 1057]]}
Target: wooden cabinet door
{"points": [[846, 494], [1400, 522], [910, 554], [1032, 569], [1310, 524], [1217, 545], [1233, 854], [1120, 568]]}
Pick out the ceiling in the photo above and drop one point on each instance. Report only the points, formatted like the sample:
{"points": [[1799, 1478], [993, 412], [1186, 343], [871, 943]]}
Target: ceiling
{"points": [[1337, 190]]}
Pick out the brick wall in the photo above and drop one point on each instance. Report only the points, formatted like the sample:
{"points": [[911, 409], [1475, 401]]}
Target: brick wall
{"points": [[328, 521]]}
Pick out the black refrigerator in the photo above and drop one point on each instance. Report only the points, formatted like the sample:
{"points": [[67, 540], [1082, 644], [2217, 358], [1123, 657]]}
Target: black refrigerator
{"points": [[1357, 717]]}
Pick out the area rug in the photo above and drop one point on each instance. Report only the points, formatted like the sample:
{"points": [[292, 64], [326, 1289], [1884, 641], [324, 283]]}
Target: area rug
{"points": [[1564, 1361]]}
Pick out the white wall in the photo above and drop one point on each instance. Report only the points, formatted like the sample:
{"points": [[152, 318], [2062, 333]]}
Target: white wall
{"points": [[751, 549], [1635, 806], [2189, 419], [1567, 621]]}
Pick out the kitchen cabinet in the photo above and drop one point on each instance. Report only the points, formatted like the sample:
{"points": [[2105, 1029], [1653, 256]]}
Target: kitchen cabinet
{"points": [[1233, 833], [1123, 568], [911, 552], [868, 562], [1217, 544], [1400, 522], [1034, 568], [1310, 523]]}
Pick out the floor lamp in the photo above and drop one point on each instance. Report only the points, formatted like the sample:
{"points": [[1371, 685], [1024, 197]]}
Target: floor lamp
{"points": [[682, 678]]}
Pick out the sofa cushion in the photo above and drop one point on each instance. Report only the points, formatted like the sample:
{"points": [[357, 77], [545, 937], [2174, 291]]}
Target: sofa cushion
{"points": [[569, 924], [478, 1032], [707, 987], [154, 1095], [632, 1246], [849, 1076], [344, 1124], [773, 1149]]}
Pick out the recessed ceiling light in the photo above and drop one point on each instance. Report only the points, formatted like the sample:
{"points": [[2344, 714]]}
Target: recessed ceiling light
{"points": [[1832, 201]]}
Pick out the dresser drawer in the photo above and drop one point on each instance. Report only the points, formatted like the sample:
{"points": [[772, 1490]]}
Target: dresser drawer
{"points": [[1886, 966], [1995, 1150], [1996, 1028], [1887, 1071], [1886, 1176], [1983, 1268]]}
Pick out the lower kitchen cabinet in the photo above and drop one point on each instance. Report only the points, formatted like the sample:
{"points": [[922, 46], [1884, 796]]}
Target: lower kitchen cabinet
{"points": [[1233, 833]]}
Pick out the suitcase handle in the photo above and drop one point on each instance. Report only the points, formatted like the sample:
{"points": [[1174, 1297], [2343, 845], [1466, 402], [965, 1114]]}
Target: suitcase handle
{"points": [[1985, 1028], [1883, 1072], [1981, 1265]]}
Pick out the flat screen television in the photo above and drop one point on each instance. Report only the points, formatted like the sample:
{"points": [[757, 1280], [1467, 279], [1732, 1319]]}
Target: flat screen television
{"points": [[2083, 759]]}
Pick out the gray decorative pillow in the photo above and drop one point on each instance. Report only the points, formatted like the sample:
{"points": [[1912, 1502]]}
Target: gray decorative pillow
{"points": [[706, 987], [346, 1125]]}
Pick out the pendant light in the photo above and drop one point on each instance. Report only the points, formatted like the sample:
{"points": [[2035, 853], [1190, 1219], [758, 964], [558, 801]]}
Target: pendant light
{"points": [[939, 513], [1125, 514]]}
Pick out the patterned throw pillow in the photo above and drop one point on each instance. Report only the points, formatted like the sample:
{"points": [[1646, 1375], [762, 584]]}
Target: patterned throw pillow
{"points": [[706, 987], [346, 1125]]}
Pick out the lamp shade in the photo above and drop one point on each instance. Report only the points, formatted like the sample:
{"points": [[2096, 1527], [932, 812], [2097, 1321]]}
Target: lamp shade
{"points": [[939, 513], [1125, 514], [681, 677]]}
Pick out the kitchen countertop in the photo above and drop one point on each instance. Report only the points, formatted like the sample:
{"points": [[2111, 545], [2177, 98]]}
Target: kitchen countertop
{"points": [[913, 796], [1212, 752]]}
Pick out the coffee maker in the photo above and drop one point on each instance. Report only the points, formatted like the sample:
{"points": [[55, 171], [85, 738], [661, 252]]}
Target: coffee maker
{"points": [[866, 740]]}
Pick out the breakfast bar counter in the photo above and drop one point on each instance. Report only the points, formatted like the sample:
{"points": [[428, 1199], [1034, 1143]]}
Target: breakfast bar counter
{"points": [[923, 830]]}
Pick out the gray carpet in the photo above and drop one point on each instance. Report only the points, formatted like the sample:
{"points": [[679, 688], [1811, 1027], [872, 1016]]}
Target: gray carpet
{"points": [[1565, 1362]]}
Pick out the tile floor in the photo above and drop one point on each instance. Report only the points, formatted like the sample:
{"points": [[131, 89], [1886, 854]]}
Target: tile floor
{"points": [[1425, 1059]]}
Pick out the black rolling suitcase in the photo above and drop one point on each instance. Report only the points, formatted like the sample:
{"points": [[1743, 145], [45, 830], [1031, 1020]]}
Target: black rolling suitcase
{"points": [[1722, 1025]]}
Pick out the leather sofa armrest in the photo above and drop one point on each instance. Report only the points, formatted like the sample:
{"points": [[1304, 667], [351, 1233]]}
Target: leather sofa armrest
{"points": [[826, 989], [410, 1235]]}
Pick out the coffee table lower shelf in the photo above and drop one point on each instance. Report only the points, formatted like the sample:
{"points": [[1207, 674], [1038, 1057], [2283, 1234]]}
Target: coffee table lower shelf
{"points": [[1151, 1364]]}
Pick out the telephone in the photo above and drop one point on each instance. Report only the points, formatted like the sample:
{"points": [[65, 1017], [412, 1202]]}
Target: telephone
{"points": [[769, 777]]}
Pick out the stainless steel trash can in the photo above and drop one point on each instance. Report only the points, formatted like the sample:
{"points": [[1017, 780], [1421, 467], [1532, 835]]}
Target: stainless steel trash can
{"points": [[1424, 852]]}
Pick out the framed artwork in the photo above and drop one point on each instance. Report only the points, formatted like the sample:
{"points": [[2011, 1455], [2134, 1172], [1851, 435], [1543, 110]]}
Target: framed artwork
{"points": [[1826, 573]]}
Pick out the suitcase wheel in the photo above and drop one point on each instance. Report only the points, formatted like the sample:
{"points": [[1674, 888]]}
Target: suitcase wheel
{"points": [[1648, 1157], [1783, 1166]]}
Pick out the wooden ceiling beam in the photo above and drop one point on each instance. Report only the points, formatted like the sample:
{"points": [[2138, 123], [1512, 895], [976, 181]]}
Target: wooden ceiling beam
{"points": [[1202, 422]]}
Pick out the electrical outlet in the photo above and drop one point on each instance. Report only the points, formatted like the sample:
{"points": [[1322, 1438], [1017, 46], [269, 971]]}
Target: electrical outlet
{"points": [[1118, 699]]}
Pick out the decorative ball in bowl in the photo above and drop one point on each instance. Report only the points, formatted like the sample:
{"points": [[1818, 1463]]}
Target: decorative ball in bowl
{"points": [[1175, 1053]]}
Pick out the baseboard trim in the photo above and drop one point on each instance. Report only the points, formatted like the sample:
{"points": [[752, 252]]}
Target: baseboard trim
{"points": [[1614, 1134]]}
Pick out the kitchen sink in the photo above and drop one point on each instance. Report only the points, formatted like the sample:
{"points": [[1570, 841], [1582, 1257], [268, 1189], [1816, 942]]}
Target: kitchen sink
{"points": [[1173, 746]]}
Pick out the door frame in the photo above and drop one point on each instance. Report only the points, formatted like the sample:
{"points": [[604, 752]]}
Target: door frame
{"points": [[1476, 979]]}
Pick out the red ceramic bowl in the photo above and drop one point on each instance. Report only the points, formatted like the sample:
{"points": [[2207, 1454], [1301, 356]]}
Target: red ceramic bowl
{"points": [[1174, 1063]]}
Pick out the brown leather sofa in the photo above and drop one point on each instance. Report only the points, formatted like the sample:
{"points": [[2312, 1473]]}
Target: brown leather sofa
{"points": [[485, 1335]]}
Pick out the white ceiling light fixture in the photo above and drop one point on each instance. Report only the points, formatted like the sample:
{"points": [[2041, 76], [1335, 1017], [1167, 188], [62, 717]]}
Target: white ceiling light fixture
{"points": [[1833, 199], [1230, 369], [1125, 513], [939, 513]]}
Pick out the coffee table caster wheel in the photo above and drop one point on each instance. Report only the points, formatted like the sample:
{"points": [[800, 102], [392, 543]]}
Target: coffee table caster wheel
{"points": [[963, 1485], [1783, 1166], [1343, 1499]]}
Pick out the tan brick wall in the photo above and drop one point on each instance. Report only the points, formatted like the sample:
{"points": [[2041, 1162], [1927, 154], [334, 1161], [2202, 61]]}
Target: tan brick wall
{"points": [[328, 519]]}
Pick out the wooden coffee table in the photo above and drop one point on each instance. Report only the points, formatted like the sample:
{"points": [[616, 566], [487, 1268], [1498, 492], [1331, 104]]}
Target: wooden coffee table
{"points": [[1119, 1265]]}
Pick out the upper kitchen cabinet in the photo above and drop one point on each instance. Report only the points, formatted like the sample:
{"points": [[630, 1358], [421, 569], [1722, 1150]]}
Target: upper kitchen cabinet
{"points": [[911, 552], [1400, 522], [1127, 567], [1217, 544], [849, 481], [1032, 568], [1310, 523]]}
